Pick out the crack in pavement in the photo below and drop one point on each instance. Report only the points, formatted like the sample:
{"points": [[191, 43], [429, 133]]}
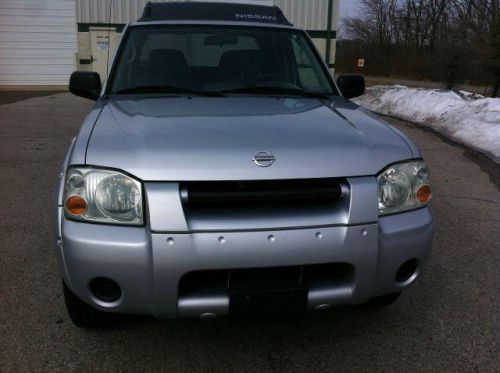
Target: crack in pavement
{"points": [[464, 197]]}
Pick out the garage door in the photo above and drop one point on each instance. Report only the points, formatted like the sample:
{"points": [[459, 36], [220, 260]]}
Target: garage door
{"points": [[38, 41]]}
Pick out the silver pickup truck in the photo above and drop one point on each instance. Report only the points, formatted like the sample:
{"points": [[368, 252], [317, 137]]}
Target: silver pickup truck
{"points": [[223, 172]]}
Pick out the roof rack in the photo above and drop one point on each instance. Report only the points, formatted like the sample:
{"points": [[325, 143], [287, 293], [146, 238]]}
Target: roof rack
{"points": [[213, 11]]}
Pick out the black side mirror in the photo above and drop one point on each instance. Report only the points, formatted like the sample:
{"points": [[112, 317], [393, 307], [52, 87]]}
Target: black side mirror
{"points": [[85, 84], [351, 85]]}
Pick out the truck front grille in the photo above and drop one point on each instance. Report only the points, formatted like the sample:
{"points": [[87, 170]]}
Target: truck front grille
{"points": [[261, 192], [264, 204]]}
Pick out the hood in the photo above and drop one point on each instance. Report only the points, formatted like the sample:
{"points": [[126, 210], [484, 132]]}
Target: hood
{"points": [[212, 138]]}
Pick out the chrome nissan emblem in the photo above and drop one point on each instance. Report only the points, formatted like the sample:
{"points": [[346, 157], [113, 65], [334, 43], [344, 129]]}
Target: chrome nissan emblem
{"points": [[263, 159]]}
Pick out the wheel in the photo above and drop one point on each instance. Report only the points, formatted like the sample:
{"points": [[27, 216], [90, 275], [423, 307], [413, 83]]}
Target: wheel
{"points": [[384, 300], [80, 313]]}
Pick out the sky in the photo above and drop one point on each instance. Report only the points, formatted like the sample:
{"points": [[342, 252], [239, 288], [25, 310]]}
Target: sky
{"points": [[349, 8]]}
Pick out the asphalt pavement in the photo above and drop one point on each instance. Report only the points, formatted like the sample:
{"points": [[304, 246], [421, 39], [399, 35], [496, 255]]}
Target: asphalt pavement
{"points": [[449, 321]]}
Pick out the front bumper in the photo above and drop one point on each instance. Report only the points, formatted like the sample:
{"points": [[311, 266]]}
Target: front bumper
{"points": [[149, 266]]}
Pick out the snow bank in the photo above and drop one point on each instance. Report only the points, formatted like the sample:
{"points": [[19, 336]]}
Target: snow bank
{"points": [[464, 117]]}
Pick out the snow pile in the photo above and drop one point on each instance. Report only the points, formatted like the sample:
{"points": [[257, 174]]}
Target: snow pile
{"points": [[469, 119]]}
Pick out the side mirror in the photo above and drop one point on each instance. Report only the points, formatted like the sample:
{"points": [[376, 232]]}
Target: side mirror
{"points": [[351, 85], [85, 84]]}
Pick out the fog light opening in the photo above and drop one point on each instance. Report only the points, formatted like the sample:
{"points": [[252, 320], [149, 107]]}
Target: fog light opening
{"points": [[407, 272], [105, 289]]}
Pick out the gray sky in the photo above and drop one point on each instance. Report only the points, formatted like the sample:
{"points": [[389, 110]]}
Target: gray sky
{"points": [[349, 8]]}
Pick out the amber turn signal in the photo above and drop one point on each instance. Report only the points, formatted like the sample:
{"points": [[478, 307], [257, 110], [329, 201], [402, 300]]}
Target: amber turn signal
{"points": [[424, 193], [76, 205]]}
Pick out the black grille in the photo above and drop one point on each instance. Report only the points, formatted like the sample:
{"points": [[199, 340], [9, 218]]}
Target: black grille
{"points": [[261, 192]]}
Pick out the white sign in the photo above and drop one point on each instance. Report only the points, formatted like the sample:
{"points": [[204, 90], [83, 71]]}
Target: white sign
{"points": [[102, 45]]}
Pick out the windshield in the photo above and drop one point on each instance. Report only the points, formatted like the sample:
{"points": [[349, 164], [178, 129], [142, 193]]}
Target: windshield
{"points": [[218, 60]]}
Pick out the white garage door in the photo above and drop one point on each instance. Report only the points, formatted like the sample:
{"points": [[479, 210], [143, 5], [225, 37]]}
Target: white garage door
{"points": [[38, 41]]}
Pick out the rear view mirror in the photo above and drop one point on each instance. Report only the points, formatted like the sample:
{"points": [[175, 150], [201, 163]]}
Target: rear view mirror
{"points": [[351, 85], [220, 40], [85, 84]]}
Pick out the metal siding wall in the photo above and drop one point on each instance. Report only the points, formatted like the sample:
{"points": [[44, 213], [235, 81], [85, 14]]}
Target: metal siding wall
{"points": [[123, 11], [309, 15], [38, 41], [305, 14]]}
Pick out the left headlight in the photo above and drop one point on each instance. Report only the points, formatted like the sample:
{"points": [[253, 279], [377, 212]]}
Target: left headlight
{"points": [[404, 186], [102, 196]]}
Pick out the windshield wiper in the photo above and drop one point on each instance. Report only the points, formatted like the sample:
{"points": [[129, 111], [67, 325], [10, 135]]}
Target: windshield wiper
{"points": [[277, 90], [168, 89]]}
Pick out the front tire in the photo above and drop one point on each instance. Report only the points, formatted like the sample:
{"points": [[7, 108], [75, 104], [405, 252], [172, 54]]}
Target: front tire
{"points": [[80, 313]]}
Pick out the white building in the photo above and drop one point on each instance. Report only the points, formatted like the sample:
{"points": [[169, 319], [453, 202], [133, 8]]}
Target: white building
{"points": [[43, 41], [38, 42]]}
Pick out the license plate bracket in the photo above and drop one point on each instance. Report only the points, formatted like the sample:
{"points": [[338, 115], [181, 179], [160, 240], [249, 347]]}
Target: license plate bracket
{"points": [[273, 302]]}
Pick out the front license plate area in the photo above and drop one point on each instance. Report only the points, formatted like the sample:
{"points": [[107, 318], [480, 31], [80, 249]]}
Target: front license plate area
{"points": [[268, 302]]}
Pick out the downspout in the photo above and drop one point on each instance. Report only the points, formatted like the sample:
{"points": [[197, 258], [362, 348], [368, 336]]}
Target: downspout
{"points": [[329, 22]]}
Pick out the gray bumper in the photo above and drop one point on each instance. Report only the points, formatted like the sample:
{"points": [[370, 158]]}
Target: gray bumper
{"points": [[148, 266]]}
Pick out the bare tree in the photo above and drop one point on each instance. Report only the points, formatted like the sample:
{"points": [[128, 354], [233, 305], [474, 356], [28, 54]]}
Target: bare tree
{"points": [[451, 40]]}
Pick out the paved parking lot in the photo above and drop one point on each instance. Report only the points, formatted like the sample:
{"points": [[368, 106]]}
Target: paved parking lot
{"points": [[449, 321]]}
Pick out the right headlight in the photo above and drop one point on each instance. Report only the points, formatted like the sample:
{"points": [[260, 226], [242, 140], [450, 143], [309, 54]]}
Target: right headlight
{"points": [[403, 186], [103, 196]]}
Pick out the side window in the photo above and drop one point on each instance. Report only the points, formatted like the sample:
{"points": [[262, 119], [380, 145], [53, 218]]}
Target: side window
{"points": [[306, 67]]}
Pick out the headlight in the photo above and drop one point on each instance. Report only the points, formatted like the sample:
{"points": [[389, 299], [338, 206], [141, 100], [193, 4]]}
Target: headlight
{"points": [[102, 196], [403, 186]]}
